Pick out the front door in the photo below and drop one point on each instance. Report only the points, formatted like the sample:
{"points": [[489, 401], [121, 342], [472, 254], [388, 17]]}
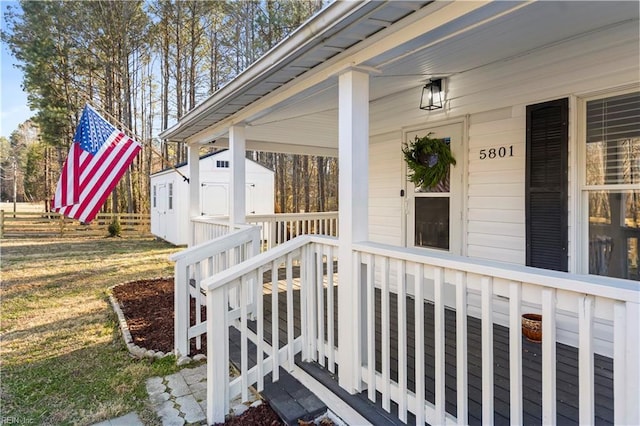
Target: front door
{"points": [[434, 218]]}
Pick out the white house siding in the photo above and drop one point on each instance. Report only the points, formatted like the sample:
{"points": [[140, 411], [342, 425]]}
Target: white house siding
{"points": [[495, 192], [385, 182], [494, 98]]}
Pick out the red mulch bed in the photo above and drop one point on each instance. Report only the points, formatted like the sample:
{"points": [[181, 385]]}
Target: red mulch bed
{"points": [[148, 308]]}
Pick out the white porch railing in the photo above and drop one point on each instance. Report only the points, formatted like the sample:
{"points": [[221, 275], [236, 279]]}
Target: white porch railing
{"points": [[281, 227], [594, 314], [206, 228], [305, 256], [197, 263], [275, 228]]}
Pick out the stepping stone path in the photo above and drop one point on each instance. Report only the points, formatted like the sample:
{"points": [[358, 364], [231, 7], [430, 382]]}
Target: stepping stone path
{"points": [[181, 398]]}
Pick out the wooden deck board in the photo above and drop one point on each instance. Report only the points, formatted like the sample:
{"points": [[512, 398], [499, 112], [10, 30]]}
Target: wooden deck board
{"points": [[567, 365]]}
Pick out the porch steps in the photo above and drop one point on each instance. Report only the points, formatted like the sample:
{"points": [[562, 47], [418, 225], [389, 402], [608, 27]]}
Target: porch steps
{"points": [[289, 398], [371, 411]]}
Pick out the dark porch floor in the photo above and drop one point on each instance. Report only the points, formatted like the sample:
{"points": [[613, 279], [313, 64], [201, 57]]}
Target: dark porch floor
{"points": [[566, 369]]}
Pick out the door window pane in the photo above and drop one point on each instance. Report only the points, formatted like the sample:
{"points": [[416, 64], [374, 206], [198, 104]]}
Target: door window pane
{"points": [[432, 222]]}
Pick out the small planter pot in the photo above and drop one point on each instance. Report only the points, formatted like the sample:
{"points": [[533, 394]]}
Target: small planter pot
{"points": [[532, 327]]}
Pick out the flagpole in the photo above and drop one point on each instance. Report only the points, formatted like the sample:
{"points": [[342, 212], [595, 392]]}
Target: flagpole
{"points": [[123, 126]]}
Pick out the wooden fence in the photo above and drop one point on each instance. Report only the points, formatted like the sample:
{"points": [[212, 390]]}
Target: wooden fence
{"points": [[41, 224]]}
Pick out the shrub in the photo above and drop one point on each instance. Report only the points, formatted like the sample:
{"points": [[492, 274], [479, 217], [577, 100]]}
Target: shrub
{"points": [[114, 228]]}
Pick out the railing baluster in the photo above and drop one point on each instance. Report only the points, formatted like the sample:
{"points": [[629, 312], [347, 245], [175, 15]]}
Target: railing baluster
{"points": [[633, 366], [626, 366], [619, 361], [260, 320], [548, 356], [419, 343], [244, 336], [585, 360], [487, 350], [385, 325], [402, 340], [330, 310], [275, 338], [197, 302], [515, 353], [320, 311], [218, 356], [462, 388], [305, 277], [181, 303], [290, 313], [439, 336], [371, 327]]}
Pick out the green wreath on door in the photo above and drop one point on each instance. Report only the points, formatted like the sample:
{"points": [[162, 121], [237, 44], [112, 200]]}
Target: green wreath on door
{"points": [[428, 160]]}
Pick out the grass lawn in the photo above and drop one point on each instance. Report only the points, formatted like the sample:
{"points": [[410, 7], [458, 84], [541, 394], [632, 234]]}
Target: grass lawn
{"points": [[63, 357]]}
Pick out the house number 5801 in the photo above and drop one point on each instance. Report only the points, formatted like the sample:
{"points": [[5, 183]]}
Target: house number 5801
{"points": [[501, 152]]}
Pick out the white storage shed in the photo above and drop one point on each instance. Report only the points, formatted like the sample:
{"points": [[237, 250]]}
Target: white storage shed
{"points": [[170, 194]]}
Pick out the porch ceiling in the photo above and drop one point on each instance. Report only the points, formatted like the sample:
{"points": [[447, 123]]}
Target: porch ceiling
{"points": [[496, 32]]}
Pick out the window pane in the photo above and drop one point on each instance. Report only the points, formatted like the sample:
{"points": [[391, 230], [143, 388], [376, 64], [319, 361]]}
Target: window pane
{"points": [[432, 222], [614, 233], [170, 196], [613, 140]]}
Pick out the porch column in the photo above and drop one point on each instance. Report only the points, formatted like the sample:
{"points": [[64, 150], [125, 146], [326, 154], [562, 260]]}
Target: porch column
{"points": [[194, 186], [237, 143], [353, 161]]}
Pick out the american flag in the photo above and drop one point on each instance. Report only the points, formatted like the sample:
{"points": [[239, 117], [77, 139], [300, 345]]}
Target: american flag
{"points": [[99, 156]]}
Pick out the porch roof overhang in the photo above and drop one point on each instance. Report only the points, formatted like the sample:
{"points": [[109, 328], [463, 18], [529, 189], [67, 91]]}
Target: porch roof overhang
{"points": [[288, 98]]}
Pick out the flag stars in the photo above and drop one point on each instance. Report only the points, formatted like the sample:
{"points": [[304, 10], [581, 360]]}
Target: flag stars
{"points": [[93, 131]]}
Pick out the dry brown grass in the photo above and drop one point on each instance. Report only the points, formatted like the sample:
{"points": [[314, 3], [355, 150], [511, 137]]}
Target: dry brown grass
{"points": [[63, 358]]}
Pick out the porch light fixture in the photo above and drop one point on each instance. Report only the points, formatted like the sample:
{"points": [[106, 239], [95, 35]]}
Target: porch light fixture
{"points": [[432, 95]]}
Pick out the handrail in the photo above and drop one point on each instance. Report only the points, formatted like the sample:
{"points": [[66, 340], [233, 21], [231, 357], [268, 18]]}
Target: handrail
{"points": [[224, 242], [591, 284], [224, 220], [236, 271], [234, 297], [203, 260]]}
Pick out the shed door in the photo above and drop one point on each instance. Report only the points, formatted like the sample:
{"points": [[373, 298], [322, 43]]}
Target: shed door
{"points": [[161, 209], [434, 217], [214, 199], [546, 202]]}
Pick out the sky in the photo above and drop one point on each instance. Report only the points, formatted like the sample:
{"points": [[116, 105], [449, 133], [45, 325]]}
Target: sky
{"points": [[13, 101]]}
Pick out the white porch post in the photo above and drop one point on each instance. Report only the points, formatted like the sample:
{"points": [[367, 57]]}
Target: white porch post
{"points": [[353, 151], [237, 189], [194, 187]]}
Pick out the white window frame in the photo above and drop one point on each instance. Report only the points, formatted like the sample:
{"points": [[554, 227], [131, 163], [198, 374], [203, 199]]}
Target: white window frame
{"points": [[582, 195]]}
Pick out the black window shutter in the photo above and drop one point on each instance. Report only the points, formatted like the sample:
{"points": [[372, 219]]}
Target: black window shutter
{"points": [[546, 197]]}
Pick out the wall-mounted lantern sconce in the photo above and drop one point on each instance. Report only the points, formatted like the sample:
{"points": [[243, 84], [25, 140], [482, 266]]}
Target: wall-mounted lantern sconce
{"points": [[432, 95]]}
